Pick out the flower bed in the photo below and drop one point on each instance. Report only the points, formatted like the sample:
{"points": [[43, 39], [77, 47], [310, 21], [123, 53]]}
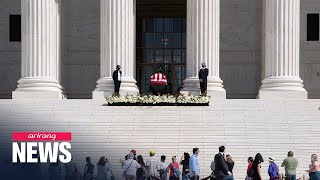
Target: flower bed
{"points": [[164, 100]]}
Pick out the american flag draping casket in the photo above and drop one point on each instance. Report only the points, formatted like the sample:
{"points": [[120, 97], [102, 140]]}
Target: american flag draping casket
{"points": [[158, 79]]}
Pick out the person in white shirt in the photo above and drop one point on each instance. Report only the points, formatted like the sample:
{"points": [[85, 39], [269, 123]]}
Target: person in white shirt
{"points": [[130, 167], [151, 164], [163, 168]]}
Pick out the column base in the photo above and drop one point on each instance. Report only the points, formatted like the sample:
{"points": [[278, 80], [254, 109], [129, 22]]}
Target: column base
{"points": [[283, 87], [215, 88], [105, 88], [38, 88], [191, 86], [267, 95]]}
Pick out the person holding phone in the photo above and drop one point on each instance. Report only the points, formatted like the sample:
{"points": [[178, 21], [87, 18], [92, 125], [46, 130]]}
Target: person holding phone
{"points": [[102, 169]]}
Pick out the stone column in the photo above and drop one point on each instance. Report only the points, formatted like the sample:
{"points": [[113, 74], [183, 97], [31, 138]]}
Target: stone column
{"points": [[203, 38], [117, 47], [281, 50], [40, 61]]}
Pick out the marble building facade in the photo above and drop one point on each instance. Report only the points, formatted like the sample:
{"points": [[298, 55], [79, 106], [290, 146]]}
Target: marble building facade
{"points": [[238, 44]]}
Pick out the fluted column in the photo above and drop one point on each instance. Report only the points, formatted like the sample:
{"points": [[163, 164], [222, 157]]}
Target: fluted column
{"points": [[40, 61], [281, 50], [117, 47], [203, 38]]}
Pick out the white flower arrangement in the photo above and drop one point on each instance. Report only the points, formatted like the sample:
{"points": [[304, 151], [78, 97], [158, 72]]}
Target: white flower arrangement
{"points": [[193, 99], [152, 99], [123, 99]]}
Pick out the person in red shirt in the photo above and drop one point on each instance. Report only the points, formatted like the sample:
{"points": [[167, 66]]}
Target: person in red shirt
{"points": [[250, 161], [171, 167]]}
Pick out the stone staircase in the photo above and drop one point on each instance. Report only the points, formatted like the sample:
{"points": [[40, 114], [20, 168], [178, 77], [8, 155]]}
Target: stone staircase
{"points": [[245, 127]]}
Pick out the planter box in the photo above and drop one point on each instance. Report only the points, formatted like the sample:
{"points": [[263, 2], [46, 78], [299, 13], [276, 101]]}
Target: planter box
{"points": [[165, 99], [124, 104], [193, 104], [158, 104]]}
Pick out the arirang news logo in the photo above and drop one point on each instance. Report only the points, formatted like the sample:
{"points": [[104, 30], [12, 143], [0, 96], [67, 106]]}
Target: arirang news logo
{"points": [[43, 147]]}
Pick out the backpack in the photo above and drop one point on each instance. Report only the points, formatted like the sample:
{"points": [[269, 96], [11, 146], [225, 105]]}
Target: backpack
{"points": [[250, 172], [163, 174], [176, 171]]}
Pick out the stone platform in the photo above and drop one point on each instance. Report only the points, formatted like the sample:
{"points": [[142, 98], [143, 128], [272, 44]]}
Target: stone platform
{"points": [[245, 127]]}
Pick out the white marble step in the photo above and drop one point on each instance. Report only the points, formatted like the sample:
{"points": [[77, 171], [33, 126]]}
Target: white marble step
{"points": [[245, 127]]}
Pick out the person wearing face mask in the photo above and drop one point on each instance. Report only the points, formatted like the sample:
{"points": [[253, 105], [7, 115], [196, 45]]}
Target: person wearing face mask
{"points": [[203, 75], [116, 76]]}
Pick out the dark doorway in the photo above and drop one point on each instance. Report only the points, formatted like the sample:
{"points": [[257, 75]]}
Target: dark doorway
{"points": [[161, 42]]}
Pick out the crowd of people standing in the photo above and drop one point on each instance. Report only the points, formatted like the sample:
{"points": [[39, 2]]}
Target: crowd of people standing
{"points": [[135, 167], [222, 167]]}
